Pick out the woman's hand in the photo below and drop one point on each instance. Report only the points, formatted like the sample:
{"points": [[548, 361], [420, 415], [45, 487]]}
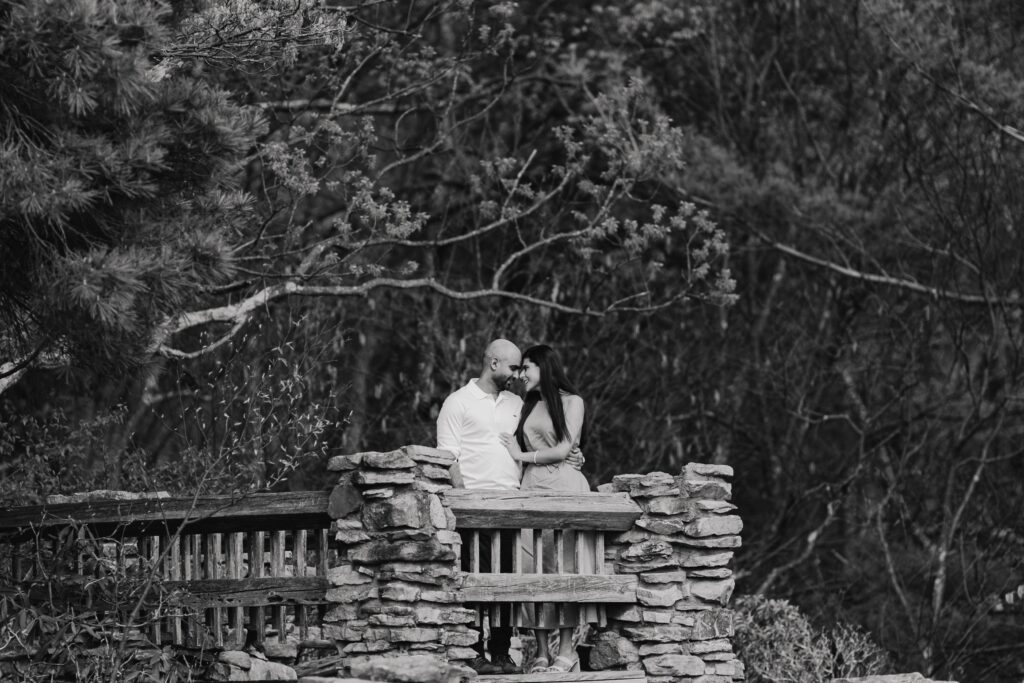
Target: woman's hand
{"points": [[511, 445]]}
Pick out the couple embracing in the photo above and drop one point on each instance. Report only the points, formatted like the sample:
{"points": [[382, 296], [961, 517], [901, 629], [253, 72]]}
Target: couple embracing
{"points": [[502, 441]]}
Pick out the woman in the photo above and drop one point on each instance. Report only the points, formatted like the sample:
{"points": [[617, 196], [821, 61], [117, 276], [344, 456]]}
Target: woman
{"points": [[550, 423]]}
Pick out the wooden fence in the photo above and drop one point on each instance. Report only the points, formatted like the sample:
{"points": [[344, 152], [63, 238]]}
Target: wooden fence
{"points": [[256, 566]]}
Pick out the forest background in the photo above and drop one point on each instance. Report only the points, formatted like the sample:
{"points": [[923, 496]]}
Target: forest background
{"points": [[781, 235]]}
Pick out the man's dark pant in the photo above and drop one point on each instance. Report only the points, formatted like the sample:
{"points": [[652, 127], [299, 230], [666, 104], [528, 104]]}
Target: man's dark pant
{"points": [[501, 636]]}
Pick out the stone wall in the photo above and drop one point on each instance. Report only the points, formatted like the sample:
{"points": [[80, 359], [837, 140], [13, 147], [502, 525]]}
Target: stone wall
{"points": [[397, 593], [680, 550], [396, 583]]}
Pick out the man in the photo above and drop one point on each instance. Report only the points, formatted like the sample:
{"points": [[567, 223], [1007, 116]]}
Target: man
{"points": [[469, 424]]}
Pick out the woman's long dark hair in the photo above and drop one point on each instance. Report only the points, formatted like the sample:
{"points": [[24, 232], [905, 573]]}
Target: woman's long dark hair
{"points": [[553, 381]]}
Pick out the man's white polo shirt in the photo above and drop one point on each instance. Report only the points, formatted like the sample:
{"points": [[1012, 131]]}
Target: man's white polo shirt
{"points": [[468, 426]]}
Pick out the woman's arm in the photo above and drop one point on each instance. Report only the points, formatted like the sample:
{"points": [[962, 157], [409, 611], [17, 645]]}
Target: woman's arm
{"points": [[574, 412]]}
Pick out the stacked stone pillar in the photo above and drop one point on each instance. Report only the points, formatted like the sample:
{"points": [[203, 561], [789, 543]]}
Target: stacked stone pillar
{"points": [[680, 548], [396, 585]]}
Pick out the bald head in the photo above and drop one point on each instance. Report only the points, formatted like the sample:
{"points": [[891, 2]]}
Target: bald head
{"points": [[502, 350], [499, 363]]}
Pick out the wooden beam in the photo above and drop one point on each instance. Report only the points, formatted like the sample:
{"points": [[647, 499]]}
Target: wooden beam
{"points": [[576, 588], [264, 511], [493, 509], [267, 591]]}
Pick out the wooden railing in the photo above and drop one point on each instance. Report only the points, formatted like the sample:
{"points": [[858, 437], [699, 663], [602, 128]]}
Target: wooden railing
{"points": [[258, 565], [217, 558], [535, 522]]}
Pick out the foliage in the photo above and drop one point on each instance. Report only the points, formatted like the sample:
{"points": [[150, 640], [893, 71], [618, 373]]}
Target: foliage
{"points": [[434, 174], [109, 641], [777, 642]]}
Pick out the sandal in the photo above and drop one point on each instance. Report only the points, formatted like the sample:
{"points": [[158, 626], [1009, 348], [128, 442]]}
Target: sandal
{"points": [[564, 664], [539, 666]]}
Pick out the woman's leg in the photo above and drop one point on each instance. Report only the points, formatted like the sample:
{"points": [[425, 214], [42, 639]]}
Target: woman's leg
{"points": [[541, 655], [565, 644]]}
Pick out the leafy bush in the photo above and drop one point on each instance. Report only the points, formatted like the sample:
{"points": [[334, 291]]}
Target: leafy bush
{"points": [[777, 642], [56, 623]]}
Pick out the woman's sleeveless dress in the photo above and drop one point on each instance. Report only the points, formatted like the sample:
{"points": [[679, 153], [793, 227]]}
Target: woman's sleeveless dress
{"points": [[538, 433]]}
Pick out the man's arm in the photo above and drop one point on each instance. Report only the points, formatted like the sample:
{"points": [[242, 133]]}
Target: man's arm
{"points": [[449, 435], [574, 421]]}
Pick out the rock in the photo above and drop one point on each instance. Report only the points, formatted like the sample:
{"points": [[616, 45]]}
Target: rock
{"points": [[624, 482], [714, 490], [437, 517], [414, 635], [410, 509], [727, 525], [344, 463], [345, 575], [697, 560], [460, 653], [235, 658], [445, 615], [351, 593], [433, 456], [656, 616], [673, 576], [706, 646], [351, 537], [408, 669], [661, 649], [646, 551], [659, 597], [390, 620], [674, 665], [401, 592], [377, 552], [267, 671], [715, 573], [660, 633], [464, 638], [345, 498], [713, 624], [436, 473], [672, 505], [379, 492], [391, 460], [611, 649], [718, 507], [707, 470], [274, 649], [713, 591], [385, 477], [672, 524], [709, 542], [630, 567]]}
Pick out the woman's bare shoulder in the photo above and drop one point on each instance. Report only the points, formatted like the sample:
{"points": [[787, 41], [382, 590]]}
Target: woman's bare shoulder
{"points": [[571, 399]]}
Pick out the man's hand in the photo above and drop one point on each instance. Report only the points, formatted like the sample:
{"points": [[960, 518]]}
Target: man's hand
{"points": [[456, 475], [575, 457]]}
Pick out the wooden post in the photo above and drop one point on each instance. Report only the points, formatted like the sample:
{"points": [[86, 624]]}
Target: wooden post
{"points": [[215, 619], [236, 617], [299, 555], [277, 569], [257, 615]]}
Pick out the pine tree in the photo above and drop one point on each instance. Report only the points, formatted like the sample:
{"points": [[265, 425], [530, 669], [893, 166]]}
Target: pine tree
{"points": [[119, 195]]}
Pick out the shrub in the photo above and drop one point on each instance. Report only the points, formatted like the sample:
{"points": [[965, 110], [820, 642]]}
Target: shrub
{"points": [[778, 643]]}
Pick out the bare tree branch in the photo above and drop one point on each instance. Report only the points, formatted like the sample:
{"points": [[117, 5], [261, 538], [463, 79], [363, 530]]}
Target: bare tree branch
{"points": [[890, 281]]}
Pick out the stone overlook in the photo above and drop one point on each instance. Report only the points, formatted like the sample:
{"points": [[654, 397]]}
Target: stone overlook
{"points": [[397, 585]]}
